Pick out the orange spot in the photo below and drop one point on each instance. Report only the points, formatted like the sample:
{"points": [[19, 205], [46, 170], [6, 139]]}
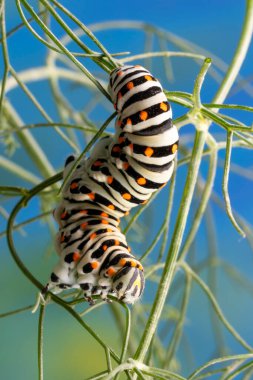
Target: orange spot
{"points": [[126, 165], [148, 77], [127, 196], [109, 230], [133, 263], [141, 181], [140, 266], [112, 207], [64, 214], [116, 149], [144, 202], [104, 214], [91, 196], [137, 66], [174, 148], [129, 121], [130, 85], [148, 152], [62, 238], [131, 146], [97, 163], [111, 272], [143, 115], [118, 220], [92, 236], [84, 225], [127, 213], [164, 106], [119, 95], [116, 242], [129, 249], [122, 262], [120, 73], [94, 264], [76, 256], [121, 140], [104, 221], [74, 185], [109, 180], [83, 212], [118, 123], [104, 247]]}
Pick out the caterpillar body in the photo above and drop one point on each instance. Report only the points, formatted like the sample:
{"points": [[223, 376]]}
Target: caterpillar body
{"points": [[121, 173]]}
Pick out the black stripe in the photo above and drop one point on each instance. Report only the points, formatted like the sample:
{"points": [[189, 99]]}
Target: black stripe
{"points": [[133, 278], [105, 263], [141, 95], [118, 70], [159, 151], [152, 111], [135, 175], [136, 82], [155, 129], [154, 168], [121, 273], [119, 256], [69, 159]]}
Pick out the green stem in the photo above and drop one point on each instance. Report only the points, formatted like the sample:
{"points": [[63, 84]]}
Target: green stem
{"points": [[219, 360], [87, 32], [239, 56], [14, 312], [225, 185], [40, 341], [65, 50], [205, 196], [87, 148], [28, 141], [199, 82], [168, 271]]}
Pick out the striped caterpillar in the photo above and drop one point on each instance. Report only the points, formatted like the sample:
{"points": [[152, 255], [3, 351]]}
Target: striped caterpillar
{"points": [[121, 172]]}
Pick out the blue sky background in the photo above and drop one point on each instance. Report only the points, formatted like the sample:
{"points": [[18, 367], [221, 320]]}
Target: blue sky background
{"points": [[214, 25]]}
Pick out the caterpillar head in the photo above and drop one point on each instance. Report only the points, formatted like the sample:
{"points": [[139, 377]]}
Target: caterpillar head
{"points": [[128, 283]]}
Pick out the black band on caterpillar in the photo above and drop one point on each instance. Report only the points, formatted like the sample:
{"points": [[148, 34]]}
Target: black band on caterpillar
{"points": [[122, 172]]}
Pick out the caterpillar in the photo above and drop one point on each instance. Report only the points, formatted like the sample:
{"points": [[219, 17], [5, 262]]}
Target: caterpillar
{"points": [[122, 172]]}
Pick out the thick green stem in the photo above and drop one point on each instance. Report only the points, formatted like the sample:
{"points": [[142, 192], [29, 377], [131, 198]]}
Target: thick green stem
{"points": [[175, 246]]}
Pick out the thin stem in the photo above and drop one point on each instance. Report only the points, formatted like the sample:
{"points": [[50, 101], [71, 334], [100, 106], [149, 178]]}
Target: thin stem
{"points": [[225, 185], [87, 32], [5, 57], [41, 109], [18, 170], [87, 148], [199, 82], [31, 146], [239, 56], [219, 360], [65, 50], [28, 221], [216, 307], [174, 342], [17, 311]]}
